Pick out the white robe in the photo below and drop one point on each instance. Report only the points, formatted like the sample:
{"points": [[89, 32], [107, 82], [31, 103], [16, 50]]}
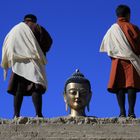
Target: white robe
{"points": [[22, 52], [116, 45]]}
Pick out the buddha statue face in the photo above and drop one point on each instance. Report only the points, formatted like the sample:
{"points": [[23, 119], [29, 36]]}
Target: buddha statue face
{"points": [[77, 95]]}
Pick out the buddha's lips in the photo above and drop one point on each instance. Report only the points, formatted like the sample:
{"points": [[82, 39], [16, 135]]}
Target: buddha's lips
{"points": [[77, 101]]}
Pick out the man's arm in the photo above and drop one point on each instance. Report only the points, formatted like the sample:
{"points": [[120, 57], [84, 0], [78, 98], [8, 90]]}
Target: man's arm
{"points": [[45, 40]]}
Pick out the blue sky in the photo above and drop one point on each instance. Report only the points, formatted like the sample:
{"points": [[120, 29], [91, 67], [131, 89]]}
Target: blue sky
{"points": [[77, 28]]}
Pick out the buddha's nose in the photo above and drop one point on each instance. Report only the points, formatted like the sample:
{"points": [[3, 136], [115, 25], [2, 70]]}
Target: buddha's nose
{"points": [[77, 94]]}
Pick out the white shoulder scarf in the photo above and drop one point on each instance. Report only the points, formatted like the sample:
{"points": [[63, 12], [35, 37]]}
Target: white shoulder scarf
{"points": [[22, 52], [116, 45]]}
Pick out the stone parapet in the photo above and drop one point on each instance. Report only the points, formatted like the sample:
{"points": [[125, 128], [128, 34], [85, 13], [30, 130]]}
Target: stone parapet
{"points": [[69, 128]]}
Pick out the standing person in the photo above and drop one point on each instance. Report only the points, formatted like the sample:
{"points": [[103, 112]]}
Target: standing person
{"points": [[24, 49], [122, 44]]}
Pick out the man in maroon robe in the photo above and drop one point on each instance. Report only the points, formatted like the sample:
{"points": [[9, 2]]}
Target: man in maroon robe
{"points": [[123, 76], [20, 86]]}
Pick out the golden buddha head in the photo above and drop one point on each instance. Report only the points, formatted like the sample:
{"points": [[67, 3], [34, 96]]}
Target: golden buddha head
{"points": [[77, 94]]}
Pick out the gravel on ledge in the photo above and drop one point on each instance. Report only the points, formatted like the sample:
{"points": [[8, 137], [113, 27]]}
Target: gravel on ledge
{"points": [[71, 120]]}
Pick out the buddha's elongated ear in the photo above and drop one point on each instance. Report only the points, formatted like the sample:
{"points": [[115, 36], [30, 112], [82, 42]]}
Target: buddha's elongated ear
{"points": [[65, 100], [89, 98], [88, 108]]}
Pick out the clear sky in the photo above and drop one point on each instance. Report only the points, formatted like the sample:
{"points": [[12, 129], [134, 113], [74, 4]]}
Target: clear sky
{"points": [[77, 28]]}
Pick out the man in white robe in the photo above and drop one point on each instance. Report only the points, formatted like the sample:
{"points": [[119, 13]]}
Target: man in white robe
{"points": [[24, 50]]}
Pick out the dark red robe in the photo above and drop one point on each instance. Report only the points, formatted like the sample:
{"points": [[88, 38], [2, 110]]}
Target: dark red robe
{"points": [[123, 75]]}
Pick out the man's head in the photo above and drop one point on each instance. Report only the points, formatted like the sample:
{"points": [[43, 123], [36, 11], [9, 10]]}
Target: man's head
{"points": [[123, 11], [30, 17], [77, 93]]}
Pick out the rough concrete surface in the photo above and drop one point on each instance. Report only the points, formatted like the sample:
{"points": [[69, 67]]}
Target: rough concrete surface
{"points": [[69, 128]]}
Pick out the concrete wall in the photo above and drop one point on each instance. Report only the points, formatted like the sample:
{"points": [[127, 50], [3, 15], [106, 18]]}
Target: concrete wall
{"points": [[67, 128]]}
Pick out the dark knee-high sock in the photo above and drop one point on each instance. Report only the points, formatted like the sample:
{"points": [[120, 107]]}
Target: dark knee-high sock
{"points": [[37, 100], [131, 100], [18, 98], [121, 101]]}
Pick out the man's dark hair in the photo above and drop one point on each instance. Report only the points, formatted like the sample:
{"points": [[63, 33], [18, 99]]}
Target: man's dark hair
{"points": [[122, 11], [30, 17]]}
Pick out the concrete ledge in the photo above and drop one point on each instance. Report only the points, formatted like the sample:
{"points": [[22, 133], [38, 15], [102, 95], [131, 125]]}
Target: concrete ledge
{"points": [[69, 128], [71, 120]]}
